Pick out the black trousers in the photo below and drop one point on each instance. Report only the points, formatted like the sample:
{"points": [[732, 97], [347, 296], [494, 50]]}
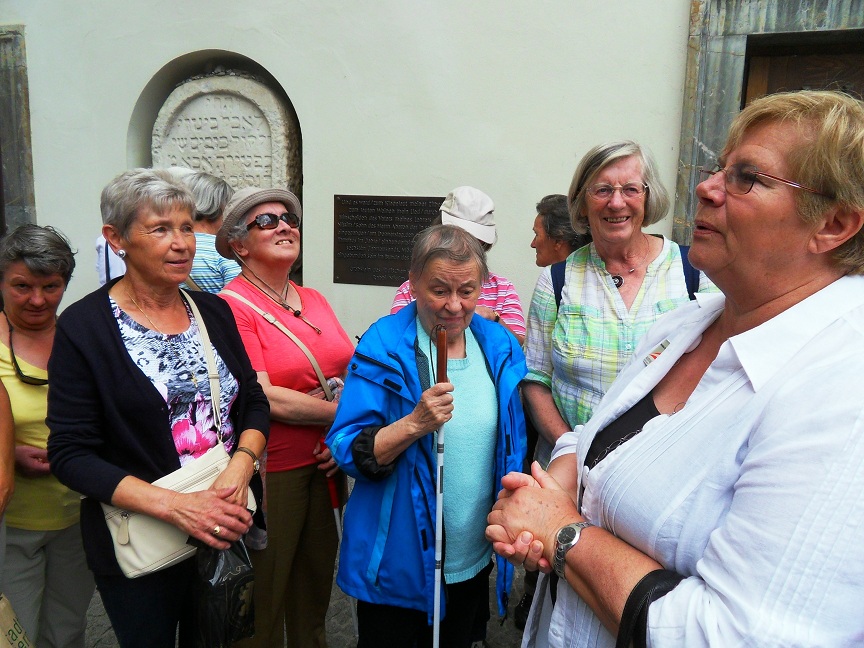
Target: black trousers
{"points": [[145, 611], [388, 626]]}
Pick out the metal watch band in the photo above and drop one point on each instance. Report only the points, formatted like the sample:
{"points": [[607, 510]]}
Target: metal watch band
{"points": [[559, 560]]}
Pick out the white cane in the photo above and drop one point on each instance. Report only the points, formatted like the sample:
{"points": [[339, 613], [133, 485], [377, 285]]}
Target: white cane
{"points": [[439, 495]]}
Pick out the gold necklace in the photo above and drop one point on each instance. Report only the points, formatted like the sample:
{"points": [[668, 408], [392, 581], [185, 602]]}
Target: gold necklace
{"points": [[168, 339]]}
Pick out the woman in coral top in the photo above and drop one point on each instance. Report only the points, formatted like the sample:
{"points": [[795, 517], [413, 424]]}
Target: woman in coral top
{"points": [[294, 571]]}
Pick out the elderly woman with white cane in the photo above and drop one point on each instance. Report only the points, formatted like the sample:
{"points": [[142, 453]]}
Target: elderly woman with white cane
{"points": [[384, 437]]}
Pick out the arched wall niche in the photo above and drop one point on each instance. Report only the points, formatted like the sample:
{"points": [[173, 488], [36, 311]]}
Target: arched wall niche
{"points": [[186, 83]]}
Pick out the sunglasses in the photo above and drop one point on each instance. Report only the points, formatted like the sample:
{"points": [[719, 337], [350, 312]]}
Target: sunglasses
{"points": [[24, 378], [271, 221]]}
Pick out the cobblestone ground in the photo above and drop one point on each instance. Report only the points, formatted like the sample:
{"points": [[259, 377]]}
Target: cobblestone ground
{"points": [[340, 630]]}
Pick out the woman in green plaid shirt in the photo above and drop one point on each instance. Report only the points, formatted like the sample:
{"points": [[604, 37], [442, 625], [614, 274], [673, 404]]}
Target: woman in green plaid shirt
{"points": [[614, 290]]}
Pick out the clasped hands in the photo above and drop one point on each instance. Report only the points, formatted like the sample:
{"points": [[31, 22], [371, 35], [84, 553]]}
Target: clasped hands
{"points": [[529, 512]]}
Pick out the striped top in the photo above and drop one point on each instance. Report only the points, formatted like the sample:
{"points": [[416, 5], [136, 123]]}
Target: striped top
{"points": [[578, 349], [497, 293], [210, 270]]}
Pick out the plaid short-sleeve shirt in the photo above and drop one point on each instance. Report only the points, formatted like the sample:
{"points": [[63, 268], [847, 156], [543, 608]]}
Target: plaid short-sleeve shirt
{"points": [[578, 348]]}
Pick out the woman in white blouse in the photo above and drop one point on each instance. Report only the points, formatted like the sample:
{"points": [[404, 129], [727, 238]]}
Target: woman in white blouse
{"points": [[714, 498]]}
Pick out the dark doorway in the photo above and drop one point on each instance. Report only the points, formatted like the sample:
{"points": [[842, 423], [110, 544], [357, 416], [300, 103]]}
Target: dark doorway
{"points": [[830, 60]]}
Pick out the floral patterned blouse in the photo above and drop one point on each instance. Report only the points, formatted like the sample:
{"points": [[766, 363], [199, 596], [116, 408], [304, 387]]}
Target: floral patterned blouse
{"points": [[176, 366]]}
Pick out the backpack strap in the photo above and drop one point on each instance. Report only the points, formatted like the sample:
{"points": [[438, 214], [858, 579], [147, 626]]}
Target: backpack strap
{"points": [[691, 274], [557, 270]]}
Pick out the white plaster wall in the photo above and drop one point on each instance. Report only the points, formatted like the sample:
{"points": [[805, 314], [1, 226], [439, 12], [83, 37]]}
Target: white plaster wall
{"points": [[393, 98]]}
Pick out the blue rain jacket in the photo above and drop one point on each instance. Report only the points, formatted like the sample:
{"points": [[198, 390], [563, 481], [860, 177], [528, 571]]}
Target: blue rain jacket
{"points": [[388, 545]]}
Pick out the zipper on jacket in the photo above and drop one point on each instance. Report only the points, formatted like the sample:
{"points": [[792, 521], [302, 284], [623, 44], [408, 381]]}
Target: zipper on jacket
{"points": [[429, 515], [508, 441], [373, 360]]}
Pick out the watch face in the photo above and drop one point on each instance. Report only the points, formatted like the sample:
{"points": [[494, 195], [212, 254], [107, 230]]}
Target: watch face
{"points": [[566, 535]]}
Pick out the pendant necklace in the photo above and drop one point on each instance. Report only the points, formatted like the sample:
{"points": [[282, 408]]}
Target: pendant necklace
{"points": [[171, 342], [618, 279], [277, 298]]}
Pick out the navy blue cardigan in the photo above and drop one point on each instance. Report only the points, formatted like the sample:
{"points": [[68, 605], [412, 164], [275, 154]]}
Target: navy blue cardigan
{"points": [[107, 420]]}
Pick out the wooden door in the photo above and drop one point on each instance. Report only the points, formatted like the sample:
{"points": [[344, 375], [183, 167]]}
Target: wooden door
{"points": [[831, 60]]}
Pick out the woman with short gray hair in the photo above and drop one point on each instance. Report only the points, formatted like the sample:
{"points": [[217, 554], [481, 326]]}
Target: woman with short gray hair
{"points": [[45, 576], [582, 330], [131, 401], [210, 270]]}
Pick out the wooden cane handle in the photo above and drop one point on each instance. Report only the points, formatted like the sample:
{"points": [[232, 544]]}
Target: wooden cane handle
{"points": [[441, 342]]}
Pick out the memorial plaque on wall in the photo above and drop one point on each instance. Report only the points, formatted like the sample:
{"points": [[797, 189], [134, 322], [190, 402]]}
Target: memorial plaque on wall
{"points": [[373, 236]]}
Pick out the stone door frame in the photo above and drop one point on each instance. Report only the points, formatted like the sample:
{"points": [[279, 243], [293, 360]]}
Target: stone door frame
{"points": [[18, 194], [714, 82]]}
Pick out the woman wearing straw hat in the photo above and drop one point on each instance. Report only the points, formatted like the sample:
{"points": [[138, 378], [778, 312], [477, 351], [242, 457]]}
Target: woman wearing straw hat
{"points": [[294, 573]]}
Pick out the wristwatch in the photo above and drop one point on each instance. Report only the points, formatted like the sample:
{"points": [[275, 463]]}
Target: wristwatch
{"points": [[256, 465], [566, 539]]}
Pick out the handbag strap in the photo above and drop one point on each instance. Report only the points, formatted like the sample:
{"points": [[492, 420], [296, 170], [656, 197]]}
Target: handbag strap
{"points": [[634, 619], [279, 325], [212, 371], [107, 262], [192, 285]]}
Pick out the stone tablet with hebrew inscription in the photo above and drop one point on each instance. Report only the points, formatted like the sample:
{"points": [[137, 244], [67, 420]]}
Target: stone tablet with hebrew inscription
{"points": [[232, 126]]}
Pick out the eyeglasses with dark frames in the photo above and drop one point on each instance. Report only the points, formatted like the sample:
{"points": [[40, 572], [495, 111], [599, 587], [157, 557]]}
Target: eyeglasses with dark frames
{"points": [[24, 378], [740, 179], [605, 191], [271, 221]]}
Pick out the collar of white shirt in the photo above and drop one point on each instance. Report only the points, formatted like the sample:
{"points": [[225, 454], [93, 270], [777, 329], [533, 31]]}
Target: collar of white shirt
{"points": [[764, 350]]}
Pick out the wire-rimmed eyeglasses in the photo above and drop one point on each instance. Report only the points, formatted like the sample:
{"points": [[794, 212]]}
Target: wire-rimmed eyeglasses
{"points": [[740, 179], [605, 191], [24, 378]]}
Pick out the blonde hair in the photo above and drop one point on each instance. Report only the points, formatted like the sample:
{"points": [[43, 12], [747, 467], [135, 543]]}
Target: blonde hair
{"points": [[828, 155]]}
